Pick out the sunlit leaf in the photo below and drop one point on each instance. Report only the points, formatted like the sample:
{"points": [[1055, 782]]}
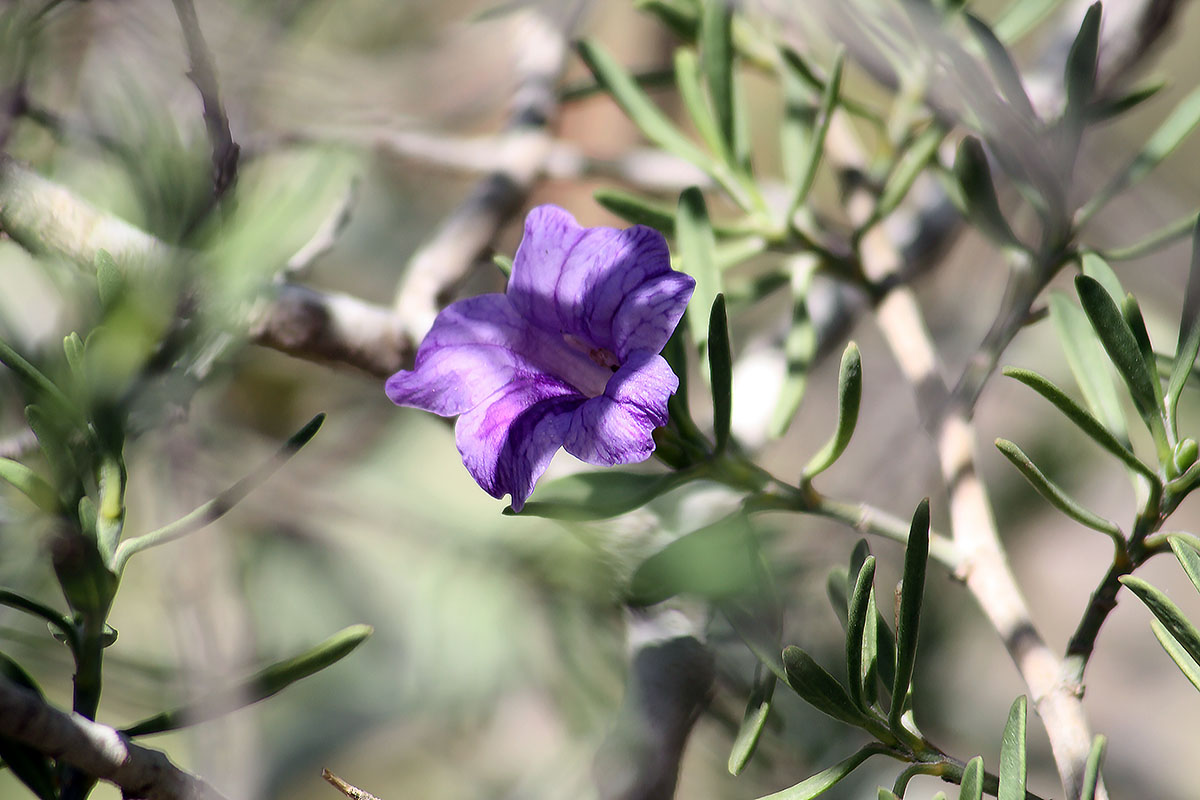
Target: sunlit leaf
{"points": [[1012, 754], [849, 399], [1167, 613], [696, 244], [758, 707], [818, 688], [971, 787], [826, 779], [716, 56], [598, 495], [716, 561], [1091, 770], [912, 589], [1188, 343]]}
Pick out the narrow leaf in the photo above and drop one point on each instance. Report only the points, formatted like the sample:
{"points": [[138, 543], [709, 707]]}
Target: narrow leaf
{"points": [[808, 171], [257, 687], [716, 55], [826, 779], [971, 787], [1154, 241], [909, 166], [799, 348], [1187, 665], [979, 192], [818, 688], [681, 16], [1188, 344], [912, 589], [1080, 77], [599, 495], [856, 627], [1012, 754], [1108, 108], [716, 561], [720, 362], [1088, 363], [1189, 558], [30, 484], [1098, 269], [1168, 614], [758, 707], [1055, 495], [638, 210], [837, 587], [1091, 771], [696, 244], [849, 399], [1137, 324], [1008, 77], [1022, 17], [1082, 419], [691, 92]]}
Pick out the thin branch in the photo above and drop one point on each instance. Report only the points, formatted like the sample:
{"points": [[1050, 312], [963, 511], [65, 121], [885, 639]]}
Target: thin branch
{"points": [[351, 791], [95, 749], [204, 76]]}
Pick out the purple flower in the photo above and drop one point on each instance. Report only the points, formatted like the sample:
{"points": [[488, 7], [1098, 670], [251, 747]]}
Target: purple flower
{"points": [[566, 357]]}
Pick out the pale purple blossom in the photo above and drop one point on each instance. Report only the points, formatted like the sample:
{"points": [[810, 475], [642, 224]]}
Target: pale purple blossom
{"points": [[567, 357]]}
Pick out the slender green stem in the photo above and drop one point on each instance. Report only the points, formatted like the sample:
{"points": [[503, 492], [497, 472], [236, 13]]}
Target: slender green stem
{"points": [[57, 620]]}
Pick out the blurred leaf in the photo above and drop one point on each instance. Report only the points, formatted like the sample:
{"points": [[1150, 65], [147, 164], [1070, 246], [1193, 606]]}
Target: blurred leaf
{"points": [[1188, 343], [1188, 556], [912, 162], [598, 495], [1122, 347], [1107, 108], [1154, 241], [1091, 771], [859, 653], [818, 688], [1055, 495], [1008, 77], [716, 55], [1023, 16], [1089, 365], [259, 686], [30, 484], [1082, 419], [1080, 77], [827, 778], [1167, 613], [887, 794], [696, 244], [716, 561], [720, 361], [73, 350], [979, 193], [912, 589], [758, 707], [503, 263], [849, 399], [1177, 127], [799, 348], [820, 128], [681, 16], [38, 384], [29, 765], [691, 92], [1187, 665], [1098, 269], [110, 282], [638, 210], [971, 787], [1012, 754], [651, 121]]}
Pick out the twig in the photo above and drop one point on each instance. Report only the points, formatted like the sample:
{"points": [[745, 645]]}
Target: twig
{"points": [[353, 792], [95, 749], [204, 76], [326, 235]]}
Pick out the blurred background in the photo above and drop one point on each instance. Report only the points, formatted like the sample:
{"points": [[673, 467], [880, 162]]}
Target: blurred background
{"points": [[499, 656]]}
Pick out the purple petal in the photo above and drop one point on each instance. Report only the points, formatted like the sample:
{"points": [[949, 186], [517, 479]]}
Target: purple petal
{"points": [[580, 281], [475, 347], [617, 426], [508, 440]]}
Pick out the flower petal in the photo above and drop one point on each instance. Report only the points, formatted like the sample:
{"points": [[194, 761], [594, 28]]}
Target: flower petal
{"points": [[507, 441], [578, 281], [617, 426], [475, 347], [649, 314]]}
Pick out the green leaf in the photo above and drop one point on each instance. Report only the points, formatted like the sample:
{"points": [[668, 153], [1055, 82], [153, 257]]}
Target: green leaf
{"points": [[1023, 16], [827, 778], [696, 244], [1167, 613], [38, 384], [720, 363], [979, 192], [887, 794], [1155, 241], [598, 495], [1188, 556], [29, 765], [681, 16], [1055, 495], [716, 561], [1137, 324], [1098, 269], [638, 210], [1012, 754], [716, 55], [110, 281], [1089, 365], [1187, 665], [504, 263], [259, 686], [1091, 771], [808, 171], [30, 484], [849, 399], [1177, 127], [916, 555], [799, 348], [1008, 77], [857, 657], [1107, 108], [1082, 419], [915, 158], [691, 92], [636, 104], [971, 787], [758, 707], [1188, 344], [818, 688], [1122, 347], [1080, 77], [73, 350]]}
